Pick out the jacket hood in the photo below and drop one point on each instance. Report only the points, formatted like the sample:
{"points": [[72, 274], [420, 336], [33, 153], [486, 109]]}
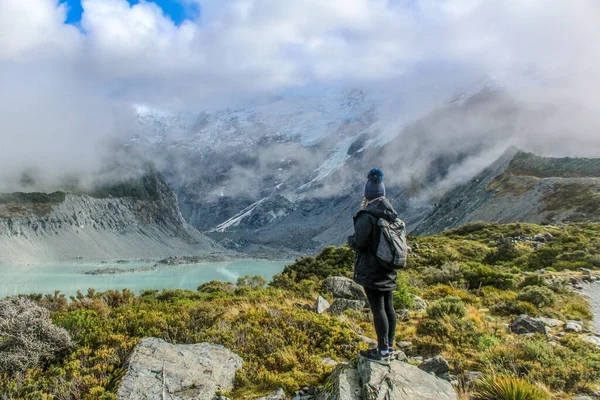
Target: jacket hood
{"points": [[382, 208]]}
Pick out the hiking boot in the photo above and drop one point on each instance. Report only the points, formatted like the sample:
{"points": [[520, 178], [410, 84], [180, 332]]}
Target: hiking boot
{"points": [[374, 355], [393, 352]]}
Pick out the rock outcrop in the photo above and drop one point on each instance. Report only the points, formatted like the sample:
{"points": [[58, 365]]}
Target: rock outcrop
{"points": [[397, 381], [345, 288], [525, 324], [340, 305], [158, 370], [436, 365]]}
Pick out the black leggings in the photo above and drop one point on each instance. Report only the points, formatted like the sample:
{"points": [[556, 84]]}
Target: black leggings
{"points": [[384, 316]]}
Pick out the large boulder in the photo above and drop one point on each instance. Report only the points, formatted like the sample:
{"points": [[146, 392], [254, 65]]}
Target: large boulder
{"points": [[525, 324], [436, 365], [396, 381], [163, 371], [345, 288], [340, 305]]}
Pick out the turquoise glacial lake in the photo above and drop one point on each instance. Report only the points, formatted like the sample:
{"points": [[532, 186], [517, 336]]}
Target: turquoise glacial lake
{"points": [[68, 278]]}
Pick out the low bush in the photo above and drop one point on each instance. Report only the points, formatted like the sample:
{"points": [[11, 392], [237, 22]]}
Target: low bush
{"points": [[28, 338], [451, 306], [537, 295]]}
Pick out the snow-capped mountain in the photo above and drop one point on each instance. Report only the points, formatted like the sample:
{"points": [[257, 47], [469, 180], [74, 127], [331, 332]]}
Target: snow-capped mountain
{"points": [[288, 173]]}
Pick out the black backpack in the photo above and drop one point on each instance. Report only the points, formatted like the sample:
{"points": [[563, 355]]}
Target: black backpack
{"points": [[392, 249]]}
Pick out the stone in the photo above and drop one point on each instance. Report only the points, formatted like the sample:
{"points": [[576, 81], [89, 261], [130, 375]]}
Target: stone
{"points": [[548, 236], [321, 305], [342, 384], [573, 326], [525, 324], [470, 377], [552, 322], [160, 370], [278, 395], [586, 272], [396, 381], [345, 288], [370, 342], [592, 339], [582, 398], [328, 361], [437, 365], [340, 305], [402, 315], [419, 304], [403, 345]]}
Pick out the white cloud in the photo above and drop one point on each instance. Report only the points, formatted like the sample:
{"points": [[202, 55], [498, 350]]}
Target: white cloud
{"points": [[66, 88]]}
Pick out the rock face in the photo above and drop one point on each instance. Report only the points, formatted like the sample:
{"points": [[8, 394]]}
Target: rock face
{"points": [[396, 381], [519, 187], [345, 288], [526, 324], [98, 226], [159, 370]]}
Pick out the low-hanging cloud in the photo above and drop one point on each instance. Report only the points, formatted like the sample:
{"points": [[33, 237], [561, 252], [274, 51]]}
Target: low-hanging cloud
{"points": [[68, 91]]}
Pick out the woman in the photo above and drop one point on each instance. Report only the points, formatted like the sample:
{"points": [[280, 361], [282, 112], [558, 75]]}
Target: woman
{"points": [[377, 281]]}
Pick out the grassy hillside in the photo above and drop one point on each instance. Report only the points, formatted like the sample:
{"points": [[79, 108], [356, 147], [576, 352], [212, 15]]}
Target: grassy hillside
{"points": [[529, 164], [475, 278], [20, 204], [14, 205]]}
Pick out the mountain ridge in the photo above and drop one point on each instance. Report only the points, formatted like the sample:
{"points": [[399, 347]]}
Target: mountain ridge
{"points": [[97, 226]]}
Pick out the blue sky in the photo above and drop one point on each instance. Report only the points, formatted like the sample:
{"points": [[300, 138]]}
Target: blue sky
{"points": [[177, 11]]}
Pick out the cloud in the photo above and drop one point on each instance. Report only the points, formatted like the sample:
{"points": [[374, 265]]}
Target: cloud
{"points": [[68, 90]]}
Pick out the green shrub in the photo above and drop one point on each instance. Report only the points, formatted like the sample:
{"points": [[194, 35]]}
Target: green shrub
{"points": [[404, 293], [451, 305], [507, 388], [478, 275], [533, 280], [512, 307], [332, 261], [216, 287], [537, 295]]}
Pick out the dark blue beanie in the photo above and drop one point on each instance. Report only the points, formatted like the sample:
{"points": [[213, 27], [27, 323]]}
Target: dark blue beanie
{"points": [[374, 187]]}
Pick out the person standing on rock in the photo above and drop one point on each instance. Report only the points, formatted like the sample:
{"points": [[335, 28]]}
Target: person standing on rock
{"points": [[378, 282]]}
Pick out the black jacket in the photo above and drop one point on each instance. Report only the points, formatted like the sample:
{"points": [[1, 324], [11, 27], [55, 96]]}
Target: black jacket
{"points": [[367, 271]]}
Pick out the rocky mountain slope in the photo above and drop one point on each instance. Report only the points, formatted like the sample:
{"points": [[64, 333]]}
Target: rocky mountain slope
{"points": [[138, 219], [290, 174], [522, 187]]}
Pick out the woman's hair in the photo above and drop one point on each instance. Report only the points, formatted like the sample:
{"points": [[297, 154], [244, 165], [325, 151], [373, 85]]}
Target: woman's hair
{"points": [[364, 203]]}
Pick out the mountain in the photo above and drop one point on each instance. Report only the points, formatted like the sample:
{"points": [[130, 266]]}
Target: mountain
{"points": [[134, 219], [522, 187], [289, 174]]}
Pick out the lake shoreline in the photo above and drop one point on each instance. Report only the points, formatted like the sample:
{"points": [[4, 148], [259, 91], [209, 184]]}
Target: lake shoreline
{"points": [[69, 278]]}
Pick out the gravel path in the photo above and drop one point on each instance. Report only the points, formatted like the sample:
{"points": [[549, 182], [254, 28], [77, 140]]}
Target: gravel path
{"points": [[593, 292]]}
